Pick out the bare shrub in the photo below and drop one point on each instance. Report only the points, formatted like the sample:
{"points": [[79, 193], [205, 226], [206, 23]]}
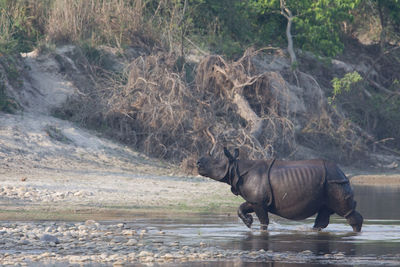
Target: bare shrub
{"points": [[155, 105], [173, 120], [152, 108]]}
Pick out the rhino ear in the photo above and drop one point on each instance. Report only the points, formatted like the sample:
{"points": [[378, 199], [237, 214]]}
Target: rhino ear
{"points": [[227, 153], [236, 155]]}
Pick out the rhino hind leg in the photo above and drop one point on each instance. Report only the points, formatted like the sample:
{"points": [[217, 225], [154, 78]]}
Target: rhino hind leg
{"points": [[322, 219], [262, 214], [243, 213]]}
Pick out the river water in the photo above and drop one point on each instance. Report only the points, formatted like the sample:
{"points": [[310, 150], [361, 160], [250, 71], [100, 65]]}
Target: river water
{"points": [[211, 240], [294, 243]]}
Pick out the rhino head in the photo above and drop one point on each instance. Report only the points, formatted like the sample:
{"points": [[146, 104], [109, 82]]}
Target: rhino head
{"points": [[217, 168]]}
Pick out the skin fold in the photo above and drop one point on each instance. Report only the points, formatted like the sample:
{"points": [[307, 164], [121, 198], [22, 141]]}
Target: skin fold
{"points": [[293, 190]]}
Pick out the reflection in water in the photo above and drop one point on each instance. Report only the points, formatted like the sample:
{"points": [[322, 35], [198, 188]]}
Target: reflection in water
{"points": [[318, 243], [378, 202], [294, 243], [251, 264]]}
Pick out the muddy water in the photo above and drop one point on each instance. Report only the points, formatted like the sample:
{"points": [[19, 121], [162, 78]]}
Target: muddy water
{"points": [[289, 243], [204, 240]]}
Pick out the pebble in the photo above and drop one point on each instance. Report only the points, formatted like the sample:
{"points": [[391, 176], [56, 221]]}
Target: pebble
{"points": [[129, 232], [50, 239], [131, 242], [90, 223], [32, 194], [339, 255]]}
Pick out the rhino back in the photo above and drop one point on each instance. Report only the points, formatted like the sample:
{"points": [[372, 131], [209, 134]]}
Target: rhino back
{"points": [[297, 188]]}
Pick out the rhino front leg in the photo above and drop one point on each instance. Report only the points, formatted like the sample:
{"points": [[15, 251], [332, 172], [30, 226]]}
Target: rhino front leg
{"points": [[243, 213], [355, 220], [262, 214]]}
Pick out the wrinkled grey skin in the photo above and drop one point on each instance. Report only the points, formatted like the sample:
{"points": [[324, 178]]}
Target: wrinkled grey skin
{"points": [[295, 189]]}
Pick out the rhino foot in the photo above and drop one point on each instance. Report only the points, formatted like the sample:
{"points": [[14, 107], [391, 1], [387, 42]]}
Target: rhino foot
{"points": [[248, 220]]}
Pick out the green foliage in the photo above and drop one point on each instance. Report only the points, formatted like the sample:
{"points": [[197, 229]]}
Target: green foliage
{"points": [[394, 11], [225, 26], [317, 24], [389, 16], [387, 116], [21, 24], [320, 28], [390, 10], [344, 84], [377, 114]]}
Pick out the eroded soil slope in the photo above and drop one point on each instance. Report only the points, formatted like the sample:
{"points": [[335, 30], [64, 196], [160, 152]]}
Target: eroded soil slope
{"points": [[51, 168]]}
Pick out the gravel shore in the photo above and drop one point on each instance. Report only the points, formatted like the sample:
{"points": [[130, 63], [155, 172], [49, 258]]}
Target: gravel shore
{"points": [[90, 242]]}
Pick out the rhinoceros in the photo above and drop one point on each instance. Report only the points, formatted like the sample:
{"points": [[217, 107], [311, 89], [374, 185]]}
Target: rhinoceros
{"points": [[293, 190]]}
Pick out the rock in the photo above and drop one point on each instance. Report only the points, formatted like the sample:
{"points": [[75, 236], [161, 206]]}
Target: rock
{"points": [[168, 256], [145, 253], [49, 229], [90, 223], [49, 238], [131, 242], [148, 259], [118, 239], [132, 255], [339, 255], [113, 257], [23, 242], [129, 232], [103, 255], [119, 263], [78, 193]]}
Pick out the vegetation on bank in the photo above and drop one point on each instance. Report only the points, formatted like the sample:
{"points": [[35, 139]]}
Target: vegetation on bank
{"points": [[163, 97], [222, 26]]}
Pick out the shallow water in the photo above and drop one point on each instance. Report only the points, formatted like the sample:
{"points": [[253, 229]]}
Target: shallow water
{"points": [[224, 240], [294, 243]]}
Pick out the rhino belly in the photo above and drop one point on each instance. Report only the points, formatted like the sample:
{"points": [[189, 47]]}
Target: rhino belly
{"points": [[298, 192]]}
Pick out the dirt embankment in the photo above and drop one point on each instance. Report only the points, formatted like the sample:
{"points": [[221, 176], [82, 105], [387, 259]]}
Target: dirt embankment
{"points": [[179, 110], [53, 169]]}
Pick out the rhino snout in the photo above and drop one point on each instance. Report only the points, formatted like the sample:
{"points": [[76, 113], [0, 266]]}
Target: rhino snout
{"points": [[200, 162]]}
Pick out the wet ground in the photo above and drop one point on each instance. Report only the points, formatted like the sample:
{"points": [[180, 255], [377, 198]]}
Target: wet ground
{"points": [[206, 240]]}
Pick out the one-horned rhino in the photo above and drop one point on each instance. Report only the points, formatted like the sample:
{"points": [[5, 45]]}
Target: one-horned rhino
{"points": [[291, 189]]}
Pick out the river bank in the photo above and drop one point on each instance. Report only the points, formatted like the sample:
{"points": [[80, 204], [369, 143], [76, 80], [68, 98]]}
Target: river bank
{"points": [[68, 197]]}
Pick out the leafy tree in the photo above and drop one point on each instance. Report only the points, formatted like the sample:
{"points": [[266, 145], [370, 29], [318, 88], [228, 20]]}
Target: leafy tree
{"points": [[344, 84], [317, 24], [225, 23], [389, 16]]}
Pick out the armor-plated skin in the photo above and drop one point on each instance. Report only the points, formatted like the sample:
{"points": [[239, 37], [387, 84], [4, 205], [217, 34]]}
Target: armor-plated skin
{"points": [[291, 189]]}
